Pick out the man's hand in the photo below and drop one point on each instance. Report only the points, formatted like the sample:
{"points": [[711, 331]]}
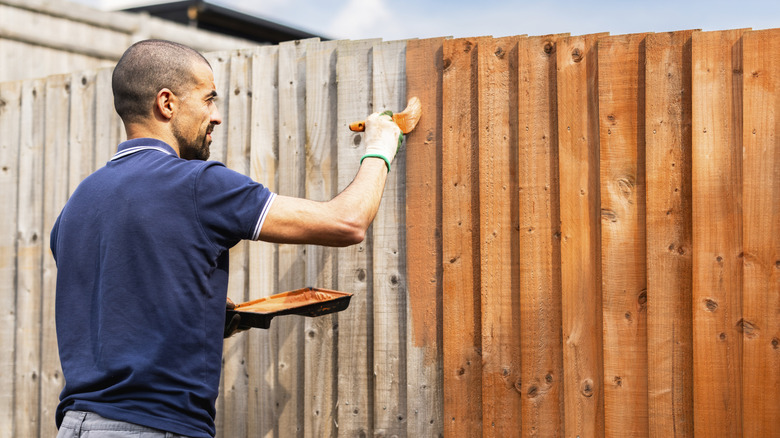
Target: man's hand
{"points": [[383, 138], [232, 323]]}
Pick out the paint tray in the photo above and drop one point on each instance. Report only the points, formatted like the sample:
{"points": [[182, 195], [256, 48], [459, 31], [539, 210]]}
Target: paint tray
{"points": [[309, 301]]}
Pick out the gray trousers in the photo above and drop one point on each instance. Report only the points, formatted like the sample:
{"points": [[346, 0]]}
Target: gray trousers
{"points": [[89, 425]]}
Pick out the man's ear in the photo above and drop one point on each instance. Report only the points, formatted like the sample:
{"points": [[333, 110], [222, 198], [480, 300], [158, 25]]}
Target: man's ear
{"points": [[165, 103]]}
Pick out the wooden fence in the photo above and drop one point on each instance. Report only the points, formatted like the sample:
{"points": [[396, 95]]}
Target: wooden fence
{"points": [[581, 238]]}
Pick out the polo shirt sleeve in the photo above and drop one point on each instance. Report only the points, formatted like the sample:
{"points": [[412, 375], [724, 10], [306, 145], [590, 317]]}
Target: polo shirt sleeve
{"points": [[231, 206]]}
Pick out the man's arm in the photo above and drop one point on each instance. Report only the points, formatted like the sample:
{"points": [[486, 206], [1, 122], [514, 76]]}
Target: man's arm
{"points": [[343, 220]]}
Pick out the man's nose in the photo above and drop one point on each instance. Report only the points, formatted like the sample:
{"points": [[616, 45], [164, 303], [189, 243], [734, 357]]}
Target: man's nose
{"points": [[216, 116]]}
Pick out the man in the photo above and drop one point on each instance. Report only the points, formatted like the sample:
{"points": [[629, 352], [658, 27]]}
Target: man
{"points": [[142, 251]]}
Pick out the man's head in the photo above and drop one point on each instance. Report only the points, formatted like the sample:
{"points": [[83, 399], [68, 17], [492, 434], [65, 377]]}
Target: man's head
{"points": [[167, 89]]}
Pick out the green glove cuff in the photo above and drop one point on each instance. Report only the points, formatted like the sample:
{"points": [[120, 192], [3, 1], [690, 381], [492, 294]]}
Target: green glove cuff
{"points": [[376, 156]]}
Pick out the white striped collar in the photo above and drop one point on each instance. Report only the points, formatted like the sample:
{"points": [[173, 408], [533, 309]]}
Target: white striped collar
{"points": [[130, 151]]}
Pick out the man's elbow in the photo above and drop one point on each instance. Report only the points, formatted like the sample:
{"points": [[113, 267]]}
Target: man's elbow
{"points": [[352, 234]]}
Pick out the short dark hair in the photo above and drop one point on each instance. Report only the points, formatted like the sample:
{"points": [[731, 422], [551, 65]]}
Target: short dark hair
{"points": [[147, 67]]}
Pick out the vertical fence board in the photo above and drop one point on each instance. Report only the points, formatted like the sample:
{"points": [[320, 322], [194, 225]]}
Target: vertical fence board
{"points": [[29, 250], [262, 256], [220, 66], [388, 258], [498, 236], [578, 155], [668, 175], [355, 406], [238, 96], [540, 293], [82, 128], [461, 314], [55, 180], [423, 241], [292, 258], [717, 233], [624, 276], [321, 269], [10, 117], [108, 126], [761, 234]]}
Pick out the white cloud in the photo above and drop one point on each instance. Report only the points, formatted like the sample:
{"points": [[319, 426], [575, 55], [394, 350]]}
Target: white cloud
{"points": [[364, 19]]}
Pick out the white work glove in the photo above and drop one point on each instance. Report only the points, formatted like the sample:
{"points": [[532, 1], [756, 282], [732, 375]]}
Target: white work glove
{"points": [[383, 137]]}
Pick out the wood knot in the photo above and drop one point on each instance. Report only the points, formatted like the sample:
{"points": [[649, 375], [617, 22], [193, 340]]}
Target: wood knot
{"points": [[467, 46], [775, 343], [533, 391], [626, 186], [642, 299], [747, 328], [549, 48], [447, 63], [609, 215], [576, 55], [618, 381], [711, 305], [586, 388], [500, 53]]}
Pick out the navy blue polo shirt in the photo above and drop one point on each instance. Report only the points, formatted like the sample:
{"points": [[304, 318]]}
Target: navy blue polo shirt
{"points": [[142, 255]]}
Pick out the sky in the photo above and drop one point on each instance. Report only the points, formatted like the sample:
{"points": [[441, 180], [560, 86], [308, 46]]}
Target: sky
{"points": [[403, 19]]}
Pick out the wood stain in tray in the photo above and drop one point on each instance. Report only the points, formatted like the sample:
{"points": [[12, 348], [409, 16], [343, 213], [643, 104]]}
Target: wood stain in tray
{"points": [[309, 301]]}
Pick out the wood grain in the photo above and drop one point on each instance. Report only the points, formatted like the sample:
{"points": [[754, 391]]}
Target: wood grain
{"points": [[423, 150], [539, 239], [462, 322], [292, 258], [236, 98], [669, 252], [29, 252], [498, 236], [55, 181], [388, 257], [320, 386], [623, 268], [717, 233], [761, 235], [10, 123], [355, 334], [261, 363]]}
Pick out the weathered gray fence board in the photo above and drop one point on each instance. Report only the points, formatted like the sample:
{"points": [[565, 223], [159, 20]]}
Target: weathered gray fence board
{"points": [[29, 251], [390, 416], [82, 128], [292, 268], [355, 324], [238, 103], [10, 110], [321, 268], [55, 195], [262, 256]]}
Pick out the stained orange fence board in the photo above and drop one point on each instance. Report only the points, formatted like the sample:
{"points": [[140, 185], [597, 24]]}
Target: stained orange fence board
{"points": [[761, 234], [668, 223], [424, 66], [717, 233], [580, 258], [624, 277], [462, 329], [539, 216], [498, 237]]}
